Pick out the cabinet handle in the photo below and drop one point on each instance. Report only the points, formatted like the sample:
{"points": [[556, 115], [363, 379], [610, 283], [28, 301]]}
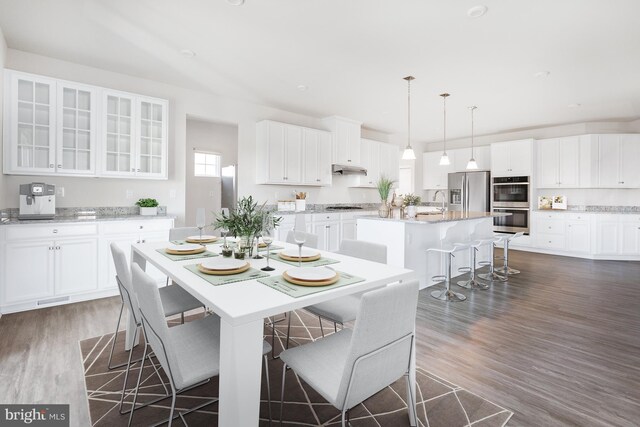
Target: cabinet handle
{"points": [[59, 166], [141, 227], [50, 165], [133, 170], [55, 231], [144, 241], [58, 247], [137, 170], [348, 160], [317, 180], [549, 227], [549, 241]]}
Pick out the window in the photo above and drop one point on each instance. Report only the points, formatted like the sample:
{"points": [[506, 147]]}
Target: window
{"points": [[206, 164]]}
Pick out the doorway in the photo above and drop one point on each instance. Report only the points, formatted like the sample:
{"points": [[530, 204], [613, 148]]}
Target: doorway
{"points": [[211, 148]]}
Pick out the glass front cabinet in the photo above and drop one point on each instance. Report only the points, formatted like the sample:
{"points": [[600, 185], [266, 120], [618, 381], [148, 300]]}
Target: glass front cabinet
{"points": [[55, 127]]}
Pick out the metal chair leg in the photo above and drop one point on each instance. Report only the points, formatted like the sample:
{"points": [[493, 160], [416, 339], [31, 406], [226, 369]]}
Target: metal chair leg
{"points": [[266, 373], [288, 332], [411, 400], [182, 317], [448, 294], [284, 372], [135, 394], [321, 328], [115, 337]]}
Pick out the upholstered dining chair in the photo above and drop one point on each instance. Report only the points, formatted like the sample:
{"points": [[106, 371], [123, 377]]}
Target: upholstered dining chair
{"points": [[351, 365], [175, 300], [311, 240], [188, 353], [181, 233], [344, 309]]}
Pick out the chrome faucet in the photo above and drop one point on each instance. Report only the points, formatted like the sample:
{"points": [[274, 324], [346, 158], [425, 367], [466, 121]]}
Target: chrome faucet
{"points": [[444, 199]]}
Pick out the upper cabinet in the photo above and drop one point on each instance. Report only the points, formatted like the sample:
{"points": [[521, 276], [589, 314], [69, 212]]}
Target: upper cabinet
{"points": [[370, 160], [460, 157], [292, 155], [435, 177], [346, 140], [512, 158], [56, 127], [559, 162], [390, 161], [135, 131], [618, 157]]}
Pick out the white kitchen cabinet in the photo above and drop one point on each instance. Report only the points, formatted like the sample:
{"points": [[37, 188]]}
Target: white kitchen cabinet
{"points": [[76, 129], [316, 157], [607, 235], [390, 161], [135, 136], [76, 269], [559, 162], [512, 158], [328, 233], [346, 140], [28, 271], [434, 176], [370, 160], [618, 157], [29, 124], [630, 235], [348, 229], [578, 236], [292, 155]]}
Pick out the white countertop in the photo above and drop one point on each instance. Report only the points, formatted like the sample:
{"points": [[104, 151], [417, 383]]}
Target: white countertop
{"points": [[448, 216]]}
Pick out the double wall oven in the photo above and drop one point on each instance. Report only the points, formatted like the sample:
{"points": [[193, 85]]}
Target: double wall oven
{"points": [[511, 194]]}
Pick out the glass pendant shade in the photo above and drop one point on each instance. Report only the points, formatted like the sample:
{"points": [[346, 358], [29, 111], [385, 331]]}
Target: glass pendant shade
{"points": [[444, 160], [408, 154], [472, 164]]}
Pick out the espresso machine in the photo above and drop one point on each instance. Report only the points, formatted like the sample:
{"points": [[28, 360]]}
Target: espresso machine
{"points": [[37, 201]]}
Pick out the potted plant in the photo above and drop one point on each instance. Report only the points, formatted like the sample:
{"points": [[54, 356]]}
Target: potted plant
{"points": [[384, 185], [148, 206], [410, 202], [246, 221]]}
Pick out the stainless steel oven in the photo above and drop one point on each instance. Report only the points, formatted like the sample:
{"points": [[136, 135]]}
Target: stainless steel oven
{"points": [[518, 220], [511, 192]]}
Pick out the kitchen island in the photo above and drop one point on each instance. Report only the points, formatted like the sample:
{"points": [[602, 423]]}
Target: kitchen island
{"points": [[407, 240]]}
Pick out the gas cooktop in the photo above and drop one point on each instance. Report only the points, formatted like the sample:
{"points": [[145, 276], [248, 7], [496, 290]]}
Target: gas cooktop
{"points": [[342, 208]]}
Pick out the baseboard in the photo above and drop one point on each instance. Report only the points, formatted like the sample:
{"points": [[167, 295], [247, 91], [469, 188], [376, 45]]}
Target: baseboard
{"points": [[594, 257]]}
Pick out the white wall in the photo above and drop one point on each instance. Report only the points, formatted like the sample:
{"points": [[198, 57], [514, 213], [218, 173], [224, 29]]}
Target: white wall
{"points": [[3, 57], [214, 137], [183, 103], [604, 197]]}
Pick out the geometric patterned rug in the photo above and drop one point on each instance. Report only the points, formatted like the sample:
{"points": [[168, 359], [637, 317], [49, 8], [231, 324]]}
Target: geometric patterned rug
{"points": [[439, 402]]}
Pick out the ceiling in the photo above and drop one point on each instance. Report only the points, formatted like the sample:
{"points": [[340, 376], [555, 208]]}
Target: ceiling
{"points": [[353, 54]]}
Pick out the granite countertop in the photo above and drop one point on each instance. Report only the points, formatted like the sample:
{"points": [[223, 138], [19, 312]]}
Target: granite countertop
{"points": [[448, 216], [82, 219]]}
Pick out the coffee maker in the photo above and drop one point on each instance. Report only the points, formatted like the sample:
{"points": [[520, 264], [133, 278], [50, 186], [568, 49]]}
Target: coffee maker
{"points": [[37, 201]]}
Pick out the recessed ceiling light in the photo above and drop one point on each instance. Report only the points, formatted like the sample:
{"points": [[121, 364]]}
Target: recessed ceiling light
{"points": [[477, 11], [575, 105], [187, 52], [540, 74], [302, 88], [235, 2]]}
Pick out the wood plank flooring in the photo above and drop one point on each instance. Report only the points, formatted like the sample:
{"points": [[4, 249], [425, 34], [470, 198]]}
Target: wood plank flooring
{"points": [[558, 344]]}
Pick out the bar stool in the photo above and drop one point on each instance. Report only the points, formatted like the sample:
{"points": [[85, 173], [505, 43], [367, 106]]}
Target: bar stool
{"points": [[472, 283], [447, 294], [505, 269], [491, 275]]}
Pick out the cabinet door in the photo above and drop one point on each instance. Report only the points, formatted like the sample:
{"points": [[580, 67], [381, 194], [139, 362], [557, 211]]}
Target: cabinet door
{"points": [[341, 144], [569, 162], [520, 157], [630, 238], [151, 138], [150, 237], [578, 237], [608, 161], [320, 230], [483, 157], [31, 119], [434, 176], [118, 134], [607, 237], [293, 155], [76, 130], [324, 157], [333, 236], [311, 157], [500, 159], [548, 163], [275, 152], [76, 263], [629, 161], [29, 271]]}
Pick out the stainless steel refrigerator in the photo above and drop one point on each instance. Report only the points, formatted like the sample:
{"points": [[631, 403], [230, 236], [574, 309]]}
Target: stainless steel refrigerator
{"points": [[229, 192], [470, 191]]}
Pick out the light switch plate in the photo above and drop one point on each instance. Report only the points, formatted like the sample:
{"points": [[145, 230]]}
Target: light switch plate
{"points": [[60, 191], [129, 194]]}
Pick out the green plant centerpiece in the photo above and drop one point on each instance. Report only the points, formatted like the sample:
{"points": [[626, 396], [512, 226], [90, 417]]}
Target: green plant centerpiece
{"points": [[410, 203], [148, 206], [246, 222], [384, 186]]}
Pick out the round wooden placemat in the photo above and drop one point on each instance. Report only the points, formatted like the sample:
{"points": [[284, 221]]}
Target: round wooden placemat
{"points": [[242, 269], [295, 258], [192, 252], [215, 239], [311, 283]]}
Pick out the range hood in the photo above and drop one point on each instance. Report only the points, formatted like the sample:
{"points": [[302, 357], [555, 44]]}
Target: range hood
{"points": [[348, 170]]}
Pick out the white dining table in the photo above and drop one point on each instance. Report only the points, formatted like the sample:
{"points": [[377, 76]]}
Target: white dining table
{"points": [[243, 306]]}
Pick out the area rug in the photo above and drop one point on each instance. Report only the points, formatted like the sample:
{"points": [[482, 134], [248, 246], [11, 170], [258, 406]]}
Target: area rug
{"points": [[440, 402]]}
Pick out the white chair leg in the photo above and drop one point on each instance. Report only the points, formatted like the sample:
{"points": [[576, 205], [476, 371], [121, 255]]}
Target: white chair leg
{"points": [[266, 373], [284, 372]]}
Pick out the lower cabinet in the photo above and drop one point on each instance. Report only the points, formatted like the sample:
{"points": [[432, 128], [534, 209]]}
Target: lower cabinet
{"points": [[578, 236], [349, 229], [52, 264], [328, 235]]}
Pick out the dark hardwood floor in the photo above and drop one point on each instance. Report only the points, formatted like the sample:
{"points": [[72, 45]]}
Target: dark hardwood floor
{"points": [[558, 344]]}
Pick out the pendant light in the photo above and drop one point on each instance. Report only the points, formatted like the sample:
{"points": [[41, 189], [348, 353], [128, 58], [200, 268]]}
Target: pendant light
{"points": [[408, 153], [472, 161], [444, 160]]}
